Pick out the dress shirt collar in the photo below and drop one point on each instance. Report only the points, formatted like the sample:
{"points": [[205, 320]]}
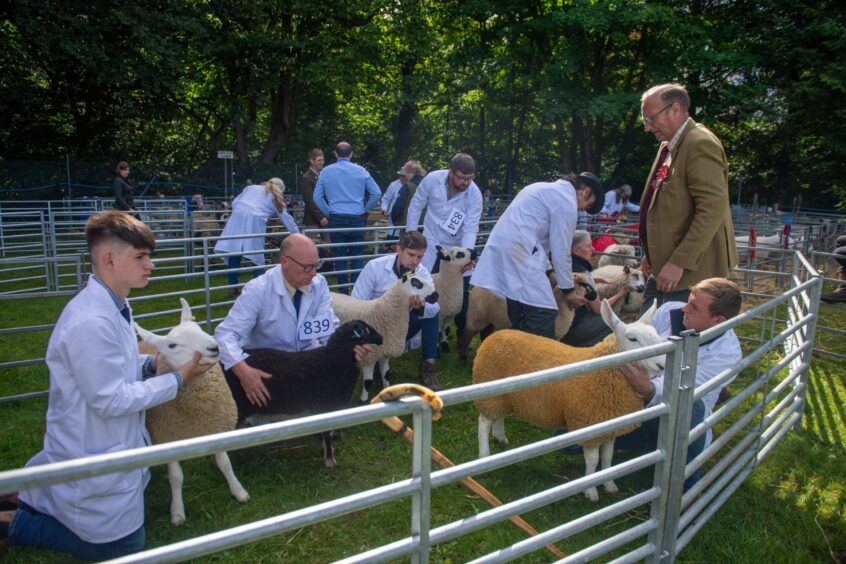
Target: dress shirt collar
{"points": [[674, 140], [291, 289], [119, 303]]}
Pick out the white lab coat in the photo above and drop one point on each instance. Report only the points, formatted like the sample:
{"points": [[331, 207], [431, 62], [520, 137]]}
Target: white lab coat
{"points": [[250, 211], [539, 221], [713, 358], [264, 316], [96, 406], [388, 199], [612, 206], [432, 195], [378, 276]]}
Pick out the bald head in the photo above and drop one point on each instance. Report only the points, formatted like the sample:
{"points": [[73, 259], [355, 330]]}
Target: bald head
{"points": [[299, 259], [343, 150]]}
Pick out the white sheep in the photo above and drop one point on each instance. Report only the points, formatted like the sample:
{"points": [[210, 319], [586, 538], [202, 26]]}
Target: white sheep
{"points": [[617, 276], [573, 403], [204, 405], [449, 283], [488, 312], [388, 315], [622, 253]]}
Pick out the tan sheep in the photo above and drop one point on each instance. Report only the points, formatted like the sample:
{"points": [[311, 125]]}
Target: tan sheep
{"points": [[618, 275], [487, 312], [573, 403], [204, 406]]}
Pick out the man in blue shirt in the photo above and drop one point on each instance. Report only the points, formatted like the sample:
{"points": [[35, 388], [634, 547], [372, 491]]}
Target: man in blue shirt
{"points": [[344, 185]]}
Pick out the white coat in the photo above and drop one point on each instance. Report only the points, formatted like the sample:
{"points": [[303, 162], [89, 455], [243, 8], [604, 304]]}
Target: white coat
{"points": [[96, 406], [539, 221], [713, 358], [264, 316], [388, 199], [612, 206], [250, 211], [378, 276], [432, 195]]}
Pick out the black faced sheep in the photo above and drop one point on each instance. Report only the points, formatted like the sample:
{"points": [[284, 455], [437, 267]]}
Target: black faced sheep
{"points": [[573, 403], [204, 405], [307, 382]]}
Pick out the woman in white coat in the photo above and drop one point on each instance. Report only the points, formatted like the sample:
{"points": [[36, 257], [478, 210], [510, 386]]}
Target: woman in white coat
{"points": [[250, 212], [539, 223]]}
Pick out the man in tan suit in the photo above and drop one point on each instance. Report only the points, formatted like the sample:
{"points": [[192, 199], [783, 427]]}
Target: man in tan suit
{"points": [[685, 223]]}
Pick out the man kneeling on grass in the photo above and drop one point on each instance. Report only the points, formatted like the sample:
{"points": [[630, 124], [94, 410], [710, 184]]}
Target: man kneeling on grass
{"points": [[100, 388], [711, 302]]}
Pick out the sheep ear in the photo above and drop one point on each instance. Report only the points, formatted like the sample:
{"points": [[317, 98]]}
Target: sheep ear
{"points": [[650, 313], [608, 316], [186, 311], [148, 336]]}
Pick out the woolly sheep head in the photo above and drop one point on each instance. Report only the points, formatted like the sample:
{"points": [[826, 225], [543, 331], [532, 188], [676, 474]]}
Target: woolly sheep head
{"points": [[457, 255], [635, 280], [414, 285], [636, 335], [359, 333], [180, 344]]}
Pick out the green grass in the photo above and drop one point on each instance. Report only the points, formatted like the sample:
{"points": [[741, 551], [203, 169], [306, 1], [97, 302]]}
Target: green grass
{"points": [[791, 509]]}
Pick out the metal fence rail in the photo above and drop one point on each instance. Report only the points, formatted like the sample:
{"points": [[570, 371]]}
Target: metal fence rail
{"points": [[764, 411]]}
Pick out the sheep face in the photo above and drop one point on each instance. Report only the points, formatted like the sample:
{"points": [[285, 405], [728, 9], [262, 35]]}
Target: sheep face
{"points": [[358, 332], [583, 286], [456, 255], [180, 344], [636, 335], [413, 285], [635, 280]]}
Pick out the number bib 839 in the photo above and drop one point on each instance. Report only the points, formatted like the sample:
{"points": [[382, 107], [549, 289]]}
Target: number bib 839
{"points": [[315, 327], [453, 222]]}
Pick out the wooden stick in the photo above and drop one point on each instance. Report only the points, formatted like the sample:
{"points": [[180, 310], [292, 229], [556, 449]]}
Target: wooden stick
{"points": [[396, 424]]}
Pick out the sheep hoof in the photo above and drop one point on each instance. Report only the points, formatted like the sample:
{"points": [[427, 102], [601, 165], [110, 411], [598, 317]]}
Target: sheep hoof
{"points": [[591, 494], [445, 346], [177, 519], [610, 487], [329, 462]]}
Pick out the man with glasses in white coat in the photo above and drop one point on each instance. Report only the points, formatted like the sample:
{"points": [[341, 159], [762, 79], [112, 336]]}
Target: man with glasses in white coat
{"points": [[453, 204], [535, 230]]}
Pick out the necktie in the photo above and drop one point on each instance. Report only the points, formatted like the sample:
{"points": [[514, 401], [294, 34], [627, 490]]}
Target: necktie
{"points": [[297, 298], [646, 201], [125, 313]]}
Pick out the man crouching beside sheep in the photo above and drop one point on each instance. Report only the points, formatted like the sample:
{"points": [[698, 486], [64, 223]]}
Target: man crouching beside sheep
{"points": [[99, 389], [377, 278], [287, 308]]}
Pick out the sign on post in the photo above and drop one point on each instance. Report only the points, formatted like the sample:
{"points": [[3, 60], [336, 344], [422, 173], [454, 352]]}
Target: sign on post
{"points": [[225, 155]]}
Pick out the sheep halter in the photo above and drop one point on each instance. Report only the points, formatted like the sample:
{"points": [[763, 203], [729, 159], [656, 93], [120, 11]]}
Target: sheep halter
{"points": [[396, 424]]}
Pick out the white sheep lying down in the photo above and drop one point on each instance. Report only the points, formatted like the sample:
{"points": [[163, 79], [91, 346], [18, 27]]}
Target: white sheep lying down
{"points": [[573, 403], [204, 405], [388, 315]]}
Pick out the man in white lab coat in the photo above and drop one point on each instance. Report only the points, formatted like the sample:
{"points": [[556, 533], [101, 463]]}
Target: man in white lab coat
{"points": [[100, 388], [287, 308], [537, 229]]}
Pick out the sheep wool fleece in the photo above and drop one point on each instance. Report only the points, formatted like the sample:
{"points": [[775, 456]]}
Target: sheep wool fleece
{"points": [[573, 403]]}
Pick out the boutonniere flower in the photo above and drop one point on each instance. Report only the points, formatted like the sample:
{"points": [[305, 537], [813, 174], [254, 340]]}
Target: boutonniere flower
{"points": [[662, 175]]}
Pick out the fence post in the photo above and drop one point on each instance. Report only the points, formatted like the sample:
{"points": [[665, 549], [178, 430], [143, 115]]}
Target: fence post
{"points": [[681, 409], [421, 500], [810, 334], [207, 284]]}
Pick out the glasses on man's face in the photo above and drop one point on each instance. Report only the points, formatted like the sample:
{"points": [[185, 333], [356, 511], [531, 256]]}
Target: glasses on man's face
{"points": [[649, 120], [463, 177], [307, 267]]}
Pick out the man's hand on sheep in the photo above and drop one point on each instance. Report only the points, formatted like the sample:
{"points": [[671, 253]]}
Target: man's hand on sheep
{"points": [[361, 351], [668, 278], [414, 302], [645, 267], [639, 380], [575, 301], [193, 368], [251, 381]]}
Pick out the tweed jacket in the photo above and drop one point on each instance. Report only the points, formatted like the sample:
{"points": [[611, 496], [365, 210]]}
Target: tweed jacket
{"points": [[312, 215], [689, 220]]}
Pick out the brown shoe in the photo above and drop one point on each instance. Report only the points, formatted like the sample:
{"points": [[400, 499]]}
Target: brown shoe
{"points": [[429, 375]]}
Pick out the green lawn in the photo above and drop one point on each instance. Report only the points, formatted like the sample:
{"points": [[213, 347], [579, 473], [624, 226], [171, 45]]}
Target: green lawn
{"points": [[791, 509]]}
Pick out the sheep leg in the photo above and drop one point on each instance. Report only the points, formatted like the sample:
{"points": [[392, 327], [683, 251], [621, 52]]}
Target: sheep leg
{"points": [[366, 380], [221, 460], [606, 453], [499, 430], [328, 454], [484, 431], [591, 460], [177, 507], [384, 366], [444, 334], [464, 343]]}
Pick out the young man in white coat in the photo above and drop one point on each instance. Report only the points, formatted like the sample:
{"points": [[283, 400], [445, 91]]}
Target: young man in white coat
{"points": [[453, 206], [287, 308], [381, 273], [537, 228], [100, 388]]}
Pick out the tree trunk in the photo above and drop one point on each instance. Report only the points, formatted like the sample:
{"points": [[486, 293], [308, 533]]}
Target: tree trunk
{"points": [[281, 119]]}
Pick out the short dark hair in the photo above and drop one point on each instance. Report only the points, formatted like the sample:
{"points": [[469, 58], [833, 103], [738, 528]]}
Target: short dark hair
{"points": [[670, 93], [118, 225], [726, 298], [314, 153], [122, 165], [463, 163], [413, 240], [343, 150]]}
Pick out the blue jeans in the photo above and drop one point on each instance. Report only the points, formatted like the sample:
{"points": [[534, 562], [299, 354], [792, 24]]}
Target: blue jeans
{"points": [[339, 221], [431, 329], [235, 262], [36, 530]]}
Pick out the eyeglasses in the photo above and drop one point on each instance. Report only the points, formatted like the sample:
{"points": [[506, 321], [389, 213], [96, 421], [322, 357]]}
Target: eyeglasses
{"points": [[463, 177], [651, 119], [307, 267]]}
